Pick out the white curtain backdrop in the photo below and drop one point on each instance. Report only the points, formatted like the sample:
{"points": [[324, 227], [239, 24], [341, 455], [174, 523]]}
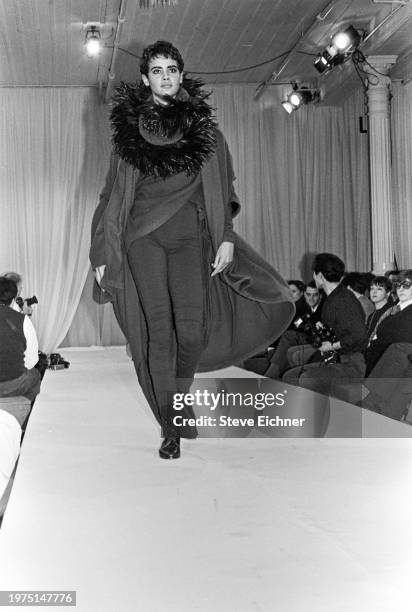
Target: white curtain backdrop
{"points": [[402, 172], [302, 179], [53, 158]]}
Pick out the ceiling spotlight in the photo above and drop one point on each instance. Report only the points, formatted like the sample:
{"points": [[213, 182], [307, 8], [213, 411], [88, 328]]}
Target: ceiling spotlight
{"points": [[288, 106], [342, 45], [300, 96], [329, 58], [93, 42], [347, 40]]}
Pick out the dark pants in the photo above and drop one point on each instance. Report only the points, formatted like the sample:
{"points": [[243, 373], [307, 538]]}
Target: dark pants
{"points": [[28, 385], [279, 360], [167, 270], [322, 378], [390, 382]]}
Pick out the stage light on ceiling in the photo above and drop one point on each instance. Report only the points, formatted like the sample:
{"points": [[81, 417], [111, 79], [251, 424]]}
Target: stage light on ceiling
{"points": [[299, 96], [342, 45], [93, 42], [347, 40]]}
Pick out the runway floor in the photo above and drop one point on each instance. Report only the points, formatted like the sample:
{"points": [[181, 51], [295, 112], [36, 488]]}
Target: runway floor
{"points": [[235, 525]]}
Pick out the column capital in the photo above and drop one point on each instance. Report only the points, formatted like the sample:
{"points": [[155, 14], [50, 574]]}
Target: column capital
{"points": [[377, 69], [382, 63]]}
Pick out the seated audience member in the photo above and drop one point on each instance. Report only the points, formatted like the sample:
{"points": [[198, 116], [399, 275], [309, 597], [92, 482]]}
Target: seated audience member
{"points": [[358, 284], [343, 318], [259, 363], [297, 288], [397, 327], [300, 336], [392, 275], [18, 348], [390, 382], [379, 293], [20, 305]]}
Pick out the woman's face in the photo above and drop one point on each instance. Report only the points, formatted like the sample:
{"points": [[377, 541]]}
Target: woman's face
{"points": [[296, 293], [163, 78], [404, 290], [378, 294]]}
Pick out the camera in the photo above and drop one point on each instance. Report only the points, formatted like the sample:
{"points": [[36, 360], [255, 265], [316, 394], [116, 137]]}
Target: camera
{"points": [[323, 333], [307, 326], [29, 301], [56, 362]]}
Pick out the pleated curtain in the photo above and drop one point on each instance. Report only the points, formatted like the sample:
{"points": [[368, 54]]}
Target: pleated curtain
{"points": [[303, 180]]}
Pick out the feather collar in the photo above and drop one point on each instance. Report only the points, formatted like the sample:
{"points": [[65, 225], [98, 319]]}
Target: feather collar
{"points": [[163, 140]]}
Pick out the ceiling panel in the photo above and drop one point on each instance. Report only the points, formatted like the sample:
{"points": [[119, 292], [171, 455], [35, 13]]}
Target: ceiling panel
{"points": [[41, 41]]}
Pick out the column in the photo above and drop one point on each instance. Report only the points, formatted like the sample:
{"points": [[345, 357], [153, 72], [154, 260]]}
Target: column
{"points": [[380, 161]]}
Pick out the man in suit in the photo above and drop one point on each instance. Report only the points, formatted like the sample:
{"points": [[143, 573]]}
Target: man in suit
{"points": [[296, 342]]}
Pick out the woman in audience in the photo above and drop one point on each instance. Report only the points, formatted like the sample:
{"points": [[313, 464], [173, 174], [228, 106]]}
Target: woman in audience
{"points": [[379, 293], [397, 327]]}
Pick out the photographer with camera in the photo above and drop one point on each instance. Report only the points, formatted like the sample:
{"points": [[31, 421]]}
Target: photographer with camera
{"points": [[24, 306], [19, 304], [18, 347], [343, 322], [296, 342]]}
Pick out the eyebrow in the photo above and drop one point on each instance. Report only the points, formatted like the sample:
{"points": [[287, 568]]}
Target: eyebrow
{"points": [[169, 66]]}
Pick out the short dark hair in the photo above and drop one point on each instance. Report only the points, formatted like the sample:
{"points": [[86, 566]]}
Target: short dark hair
{"points": [[330, 265], [14, 276], [389, 273], [164, 49], [8, 290], [298, 283], [312, 285], [404, 275], [356, 281], [381, 281]]}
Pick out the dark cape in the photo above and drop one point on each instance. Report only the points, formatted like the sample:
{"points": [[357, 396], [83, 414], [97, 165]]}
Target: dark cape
{"points": [[247, 306]]}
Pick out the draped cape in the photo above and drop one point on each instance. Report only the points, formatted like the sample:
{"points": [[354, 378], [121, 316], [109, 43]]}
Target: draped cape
{"points": [[247, 306]]}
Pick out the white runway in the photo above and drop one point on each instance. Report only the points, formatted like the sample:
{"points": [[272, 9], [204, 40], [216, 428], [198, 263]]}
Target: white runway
{"points": [[235, 525]]}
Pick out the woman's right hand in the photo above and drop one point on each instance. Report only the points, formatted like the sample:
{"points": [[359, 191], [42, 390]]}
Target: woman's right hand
{"points": [[99, 273]]}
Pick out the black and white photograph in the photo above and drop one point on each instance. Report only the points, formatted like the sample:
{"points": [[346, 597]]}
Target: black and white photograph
{"points": [[206, 305]]}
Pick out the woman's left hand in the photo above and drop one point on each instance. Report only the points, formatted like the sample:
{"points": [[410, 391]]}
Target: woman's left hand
{"points": [[224, 257]]}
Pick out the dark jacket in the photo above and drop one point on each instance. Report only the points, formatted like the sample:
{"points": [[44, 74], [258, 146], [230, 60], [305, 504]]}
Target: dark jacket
{"points": [[343, 313], [248, 305]]}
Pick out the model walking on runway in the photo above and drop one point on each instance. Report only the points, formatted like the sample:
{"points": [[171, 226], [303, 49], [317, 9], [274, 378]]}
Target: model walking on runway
{"points": [[189, 294]]}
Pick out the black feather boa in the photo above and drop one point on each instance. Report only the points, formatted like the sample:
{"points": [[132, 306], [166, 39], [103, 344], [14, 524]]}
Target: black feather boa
{"points": [[163, 140]]}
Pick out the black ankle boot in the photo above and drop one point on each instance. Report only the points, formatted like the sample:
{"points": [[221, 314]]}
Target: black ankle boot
{"points": [[170, 448]]}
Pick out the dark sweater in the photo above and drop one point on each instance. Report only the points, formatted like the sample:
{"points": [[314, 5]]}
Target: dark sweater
{"points": [[158, 199], [343, 313], [373, 319], [395, 328], [12, 344]]}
